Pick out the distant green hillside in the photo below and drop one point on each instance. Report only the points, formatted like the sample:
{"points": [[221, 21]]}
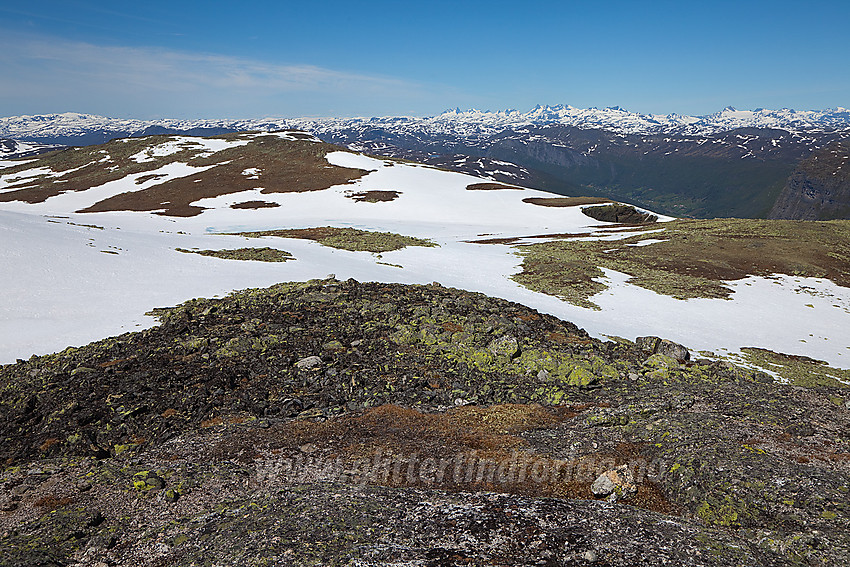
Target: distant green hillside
{"points": [[702, 187]]}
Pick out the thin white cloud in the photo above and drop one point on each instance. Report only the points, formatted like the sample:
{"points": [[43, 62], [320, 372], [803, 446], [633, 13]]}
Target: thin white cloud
{"points": [[39, 72]]}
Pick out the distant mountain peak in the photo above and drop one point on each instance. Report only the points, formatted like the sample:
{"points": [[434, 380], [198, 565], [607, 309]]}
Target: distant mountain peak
{"points": [[79, 128]]}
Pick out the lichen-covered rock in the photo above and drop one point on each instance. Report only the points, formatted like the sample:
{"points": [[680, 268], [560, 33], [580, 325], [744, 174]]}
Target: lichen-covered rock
{"points": [[648, 344], [673, 350], [202, 441], [505, 348], [582, 377], [660, 361]]}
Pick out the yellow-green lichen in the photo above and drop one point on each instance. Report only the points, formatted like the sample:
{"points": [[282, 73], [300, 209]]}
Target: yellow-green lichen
{"points": [[719, 513]]}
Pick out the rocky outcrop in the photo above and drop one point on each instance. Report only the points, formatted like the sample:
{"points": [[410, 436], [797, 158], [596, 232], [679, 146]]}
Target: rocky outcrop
{"points": [[340, 423], [623, 214], [819, 189]]}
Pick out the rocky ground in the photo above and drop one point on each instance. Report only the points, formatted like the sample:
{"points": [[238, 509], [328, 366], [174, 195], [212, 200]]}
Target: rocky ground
{"points": [[340, 423]]}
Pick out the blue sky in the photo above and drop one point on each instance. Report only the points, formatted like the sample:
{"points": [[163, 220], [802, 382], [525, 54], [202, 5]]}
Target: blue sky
{"points": [[191, 59]]}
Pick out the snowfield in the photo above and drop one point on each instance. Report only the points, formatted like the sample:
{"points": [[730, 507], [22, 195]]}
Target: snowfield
{"points": [[70, 278]]}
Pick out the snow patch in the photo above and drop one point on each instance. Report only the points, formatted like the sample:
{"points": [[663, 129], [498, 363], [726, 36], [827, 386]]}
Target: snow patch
{"points": [[647, 242]]}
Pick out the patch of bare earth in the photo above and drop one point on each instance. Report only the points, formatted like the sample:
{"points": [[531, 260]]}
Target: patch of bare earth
{"points": [[491, 187], [505, 240], [247, 254], [254, 205], [514, 239], [375, 196], [79, 169], [564, 201], [150, 177], [465, 448]]}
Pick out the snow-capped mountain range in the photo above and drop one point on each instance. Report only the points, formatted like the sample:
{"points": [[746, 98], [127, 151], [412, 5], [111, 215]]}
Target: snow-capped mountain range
{"points": [[732, 163], [614, 119], [455, 122]]}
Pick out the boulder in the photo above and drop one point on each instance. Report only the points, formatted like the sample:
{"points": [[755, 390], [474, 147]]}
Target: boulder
{"points": [[673, 350], [308, 363], [614, 484], [657, 345]]}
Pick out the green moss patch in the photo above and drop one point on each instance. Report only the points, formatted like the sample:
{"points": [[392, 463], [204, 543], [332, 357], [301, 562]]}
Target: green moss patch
{"points": [[255, 254], [798, 370], [695, 259], [347, 238]]}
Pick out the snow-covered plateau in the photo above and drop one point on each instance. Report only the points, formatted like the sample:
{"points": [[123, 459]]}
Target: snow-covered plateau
{"points": [[69, 278]]}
